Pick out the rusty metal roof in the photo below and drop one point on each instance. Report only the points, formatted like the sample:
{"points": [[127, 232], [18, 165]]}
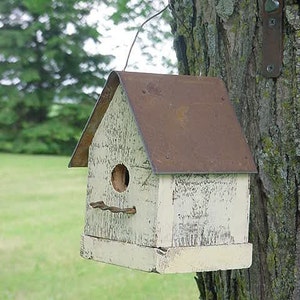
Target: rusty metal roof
{"points": [[187, 123]]}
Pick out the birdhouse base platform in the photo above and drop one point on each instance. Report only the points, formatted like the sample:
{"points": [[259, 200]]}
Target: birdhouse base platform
{"points": [[167, 260]]}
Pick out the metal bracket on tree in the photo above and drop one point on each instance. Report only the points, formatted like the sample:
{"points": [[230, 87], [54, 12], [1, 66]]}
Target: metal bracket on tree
{"points": [[272, 38]]}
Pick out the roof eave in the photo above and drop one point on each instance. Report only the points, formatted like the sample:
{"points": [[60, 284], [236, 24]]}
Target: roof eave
{"points": [[80, 155]]}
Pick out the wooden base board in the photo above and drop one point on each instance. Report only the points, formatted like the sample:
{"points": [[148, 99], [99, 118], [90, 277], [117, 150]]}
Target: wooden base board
{"points": [[169, 260]]}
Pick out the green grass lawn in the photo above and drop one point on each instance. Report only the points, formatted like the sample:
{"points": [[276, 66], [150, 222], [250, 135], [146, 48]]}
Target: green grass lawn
{"points": [[42, 206]]}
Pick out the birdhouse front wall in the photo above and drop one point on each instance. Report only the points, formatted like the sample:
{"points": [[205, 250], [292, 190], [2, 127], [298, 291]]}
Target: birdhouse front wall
{"points": [[117, 142]]}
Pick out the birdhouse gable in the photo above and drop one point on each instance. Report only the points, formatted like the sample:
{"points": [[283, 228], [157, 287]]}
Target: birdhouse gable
{"points": [[187, 123], [120, 175]]}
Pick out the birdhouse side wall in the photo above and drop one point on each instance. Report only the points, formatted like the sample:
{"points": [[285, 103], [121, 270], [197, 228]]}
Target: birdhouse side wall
{"points": [[210, 209], [118, 142]]}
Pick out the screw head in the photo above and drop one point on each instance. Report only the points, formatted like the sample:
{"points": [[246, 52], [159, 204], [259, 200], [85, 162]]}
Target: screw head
{"points": [[270, 68], [272, 22]]}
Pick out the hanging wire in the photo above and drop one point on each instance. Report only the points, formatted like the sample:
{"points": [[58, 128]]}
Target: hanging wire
{"points": [[139, 30]]}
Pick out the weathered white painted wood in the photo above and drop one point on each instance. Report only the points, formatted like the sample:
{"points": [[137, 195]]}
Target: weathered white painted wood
{"points": [[210, 209], [117, 141], [205, 258], [240, 210], [165, 212], [172, 260], [118, 253]]}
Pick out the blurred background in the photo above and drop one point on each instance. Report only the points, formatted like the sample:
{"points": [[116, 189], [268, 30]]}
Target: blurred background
{"points": [[55, 56]]}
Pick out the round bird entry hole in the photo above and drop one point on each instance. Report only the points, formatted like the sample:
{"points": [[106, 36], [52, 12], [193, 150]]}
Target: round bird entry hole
{"points": [[120, 178]]}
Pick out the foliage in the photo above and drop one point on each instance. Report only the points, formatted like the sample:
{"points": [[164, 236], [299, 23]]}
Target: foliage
{"points": [[41, 214], [49, 81], [132, 13]]}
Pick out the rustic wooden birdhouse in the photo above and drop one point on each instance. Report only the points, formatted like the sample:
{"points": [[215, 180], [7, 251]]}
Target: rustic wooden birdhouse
{"points": [[168, 176]]}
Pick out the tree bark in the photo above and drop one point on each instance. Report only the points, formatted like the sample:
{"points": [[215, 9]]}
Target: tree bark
{"points": [[224, 38]]}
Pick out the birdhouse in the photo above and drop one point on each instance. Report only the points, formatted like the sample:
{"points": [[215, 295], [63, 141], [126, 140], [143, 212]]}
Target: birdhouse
{"points": [[168, 176]]}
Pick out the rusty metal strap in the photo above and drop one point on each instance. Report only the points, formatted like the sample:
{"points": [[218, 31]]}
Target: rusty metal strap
{"points": [[113, 209], [272, 44]]}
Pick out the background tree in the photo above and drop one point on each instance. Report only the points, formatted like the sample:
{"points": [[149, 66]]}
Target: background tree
{"points": [[48, 79], [224, 38], [153, 36]]}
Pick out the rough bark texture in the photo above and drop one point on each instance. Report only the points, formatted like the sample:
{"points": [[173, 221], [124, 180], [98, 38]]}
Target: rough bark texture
{"points": [[223, 38]]}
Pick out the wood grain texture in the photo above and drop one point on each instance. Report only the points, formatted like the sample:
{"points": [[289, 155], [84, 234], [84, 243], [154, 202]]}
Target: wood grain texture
{"points": [[165, 211], [210, 209], [169, 260], [117, 141]]}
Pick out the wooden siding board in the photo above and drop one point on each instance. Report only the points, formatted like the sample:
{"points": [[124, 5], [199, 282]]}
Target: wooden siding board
{"points": [[165, 211], [117, 142], [172, 260], [210, 209]]}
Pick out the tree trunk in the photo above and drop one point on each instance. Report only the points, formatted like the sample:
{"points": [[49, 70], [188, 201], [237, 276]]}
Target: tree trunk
{"points": [[224, 38]]}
